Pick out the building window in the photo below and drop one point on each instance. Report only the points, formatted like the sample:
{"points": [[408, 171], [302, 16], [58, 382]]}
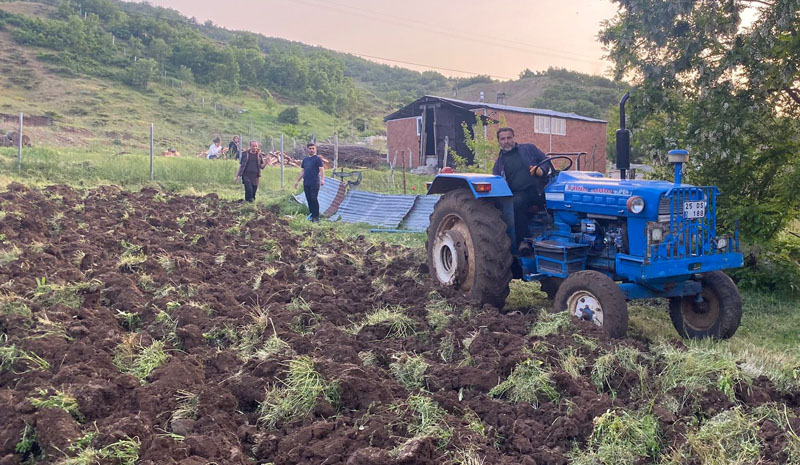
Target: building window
{"points": [[419, 125], [541, 125]]}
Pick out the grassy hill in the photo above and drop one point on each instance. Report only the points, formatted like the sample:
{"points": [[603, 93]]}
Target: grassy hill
{"points": [[81, 78]]}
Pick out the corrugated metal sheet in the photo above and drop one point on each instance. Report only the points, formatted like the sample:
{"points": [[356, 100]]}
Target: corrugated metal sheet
{"points": [[330, 196], [376, 209], [418, 217]]}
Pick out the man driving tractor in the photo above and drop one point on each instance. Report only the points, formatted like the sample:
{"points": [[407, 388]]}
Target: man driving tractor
{"points": [[517, 164]]}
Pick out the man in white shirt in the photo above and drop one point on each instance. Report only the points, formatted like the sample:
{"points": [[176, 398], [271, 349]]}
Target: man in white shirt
{"points": [[216, 150]]}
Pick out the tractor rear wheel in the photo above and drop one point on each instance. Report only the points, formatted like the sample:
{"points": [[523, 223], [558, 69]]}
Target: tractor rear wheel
{"points": [[468, 248], [593, 296], [717, 316]]}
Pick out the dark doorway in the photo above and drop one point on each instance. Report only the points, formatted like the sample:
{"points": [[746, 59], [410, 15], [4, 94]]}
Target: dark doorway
{"points": [[430, 134]]}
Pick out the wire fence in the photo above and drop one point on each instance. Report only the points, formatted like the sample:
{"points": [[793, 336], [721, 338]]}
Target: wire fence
{"points": [[284, 152]]}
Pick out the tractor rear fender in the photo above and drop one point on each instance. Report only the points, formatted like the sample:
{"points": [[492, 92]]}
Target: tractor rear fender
{"points": [[481, 185]]}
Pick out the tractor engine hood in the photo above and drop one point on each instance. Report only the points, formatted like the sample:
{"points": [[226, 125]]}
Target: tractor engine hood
{"points": [[591, 192]]}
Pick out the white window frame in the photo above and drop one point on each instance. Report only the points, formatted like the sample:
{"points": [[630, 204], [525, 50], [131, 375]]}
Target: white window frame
{"points": [[419, 125], [542, 125]]}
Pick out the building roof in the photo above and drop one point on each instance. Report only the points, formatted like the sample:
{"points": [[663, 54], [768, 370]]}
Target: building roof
{"points": [[412, 109]]}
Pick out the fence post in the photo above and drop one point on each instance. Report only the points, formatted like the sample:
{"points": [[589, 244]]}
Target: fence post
{"points": [[281, 161], [241, 144], [404, 172], [151, 151], [335, 151], [19, 144], [446, 149]]}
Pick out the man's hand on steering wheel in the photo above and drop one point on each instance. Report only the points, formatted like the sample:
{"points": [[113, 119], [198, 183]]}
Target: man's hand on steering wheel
{"points": [[538, 170]]}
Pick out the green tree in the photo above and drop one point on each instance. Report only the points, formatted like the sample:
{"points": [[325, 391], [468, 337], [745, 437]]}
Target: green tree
{"points": [[728, 93], [484, 151], [141, 72], [159, 50], [290, 115]]}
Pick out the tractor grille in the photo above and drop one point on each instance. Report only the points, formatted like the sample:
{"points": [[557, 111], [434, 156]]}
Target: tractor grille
{"points": [[686, 236]]}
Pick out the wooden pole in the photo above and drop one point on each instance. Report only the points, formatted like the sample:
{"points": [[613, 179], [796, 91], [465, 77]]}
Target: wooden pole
{"points": [[335, 151], [151, 151], [19, 144], [281, 161], [404, 174]]}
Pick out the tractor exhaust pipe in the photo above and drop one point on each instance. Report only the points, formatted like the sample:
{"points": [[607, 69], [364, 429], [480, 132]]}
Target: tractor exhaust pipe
{"points": [[623, 141]]}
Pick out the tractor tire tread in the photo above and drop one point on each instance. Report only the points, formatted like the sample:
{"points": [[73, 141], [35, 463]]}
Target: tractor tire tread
{"points": [[612, 299], [730, 301], [491, 243]]}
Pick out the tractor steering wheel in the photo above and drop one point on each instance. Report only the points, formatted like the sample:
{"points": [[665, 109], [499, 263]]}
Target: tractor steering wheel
{"points": [[553, 171]]}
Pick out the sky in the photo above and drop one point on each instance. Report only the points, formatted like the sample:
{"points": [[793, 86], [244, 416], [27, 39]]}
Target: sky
{"points": [[454, 37]]}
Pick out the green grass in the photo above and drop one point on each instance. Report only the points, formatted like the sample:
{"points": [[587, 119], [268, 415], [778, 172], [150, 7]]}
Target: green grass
{"points": [[139, 360], [729, 438], [609, 366], [400, 325], [428, 420], [528, 382], [297, 395], [699, 367], [621, 438], [409, 370], [122, 452], [11, 357], [550, 323], [60, 400]]}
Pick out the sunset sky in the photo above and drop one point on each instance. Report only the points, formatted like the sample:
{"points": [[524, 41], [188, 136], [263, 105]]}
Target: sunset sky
{"points": [[474, 36]]}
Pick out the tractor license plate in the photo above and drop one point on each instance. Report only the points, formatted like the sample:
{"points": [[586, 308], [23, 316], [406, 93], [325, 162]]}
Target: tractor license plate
{"points": [[694, 209]]}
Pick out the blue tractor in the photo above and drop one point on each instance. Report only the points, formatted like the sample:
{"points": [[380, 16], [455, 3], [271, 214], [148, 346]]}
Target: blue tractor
{"points": [[599, 243]]}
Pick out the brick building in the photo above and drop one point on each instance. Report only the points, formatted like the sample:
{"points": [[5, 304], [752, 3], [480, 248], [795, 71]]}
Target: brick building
{"points": [[418, 132]]}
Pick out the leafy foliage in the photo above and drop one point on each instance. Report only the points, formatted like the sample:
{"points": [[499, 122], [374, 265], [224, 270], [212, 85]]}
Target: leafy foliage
{"points": [[729, 93]]}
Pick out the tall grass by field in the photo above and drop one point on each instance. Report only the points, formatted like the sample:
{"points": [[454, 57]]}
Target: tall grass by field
{"points": [[132, 170]]}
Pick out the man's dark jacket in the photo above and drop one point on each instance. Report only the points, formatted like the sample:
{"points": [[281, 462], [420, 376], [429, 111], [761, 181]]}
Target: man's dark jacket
{"points": [[531, 155]]}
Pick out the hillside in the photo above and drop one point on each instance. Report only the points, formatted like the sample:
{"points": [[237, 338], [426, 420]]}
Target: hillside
{"points": [[97, 73]]}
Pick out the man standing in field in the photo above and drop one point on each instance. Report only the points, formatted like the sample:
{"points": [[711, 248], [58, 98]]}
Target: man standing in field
{"points": [[313, 176], [250, 166]]}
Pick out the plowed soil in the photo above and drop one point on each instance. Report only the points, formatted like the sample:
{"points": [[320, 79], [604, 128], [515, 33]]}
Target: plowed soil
{"points": [[196, 272]]}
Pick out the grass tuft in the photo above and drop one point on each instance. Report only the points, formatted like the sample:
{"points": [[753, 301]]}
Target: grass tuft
{"points": [[621, 438], [297, 396], [134, 358], [428, 420], [730, 437], [609, 366], [700, 367], [550, 323], [11, 356], [59, 400], [400, 325], [409, 370], [528, 382]]}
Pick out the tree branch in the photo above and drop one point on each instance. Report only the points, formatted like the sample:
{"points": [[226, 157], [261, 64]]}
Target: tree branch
{"points": [[793, 93], [762, 2]]}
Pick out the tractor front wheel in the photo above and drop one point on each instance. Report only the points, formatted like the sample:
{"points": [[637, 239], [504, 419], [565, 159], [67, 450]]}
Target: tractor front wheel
{"points": [[717, 315], [468, 248], [593, 296]]}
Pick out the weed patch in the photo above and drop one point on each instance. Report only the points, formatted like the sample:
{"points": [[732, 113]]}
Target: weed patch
{"points": [[138, 360], [297, 395], [528, 382]]}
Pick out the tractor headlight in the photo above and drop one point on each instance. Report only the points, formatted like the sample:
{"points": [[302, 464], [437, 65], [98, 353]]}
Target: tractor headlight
{"points": [[656, 234], [722, 243], [636, 204]]}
